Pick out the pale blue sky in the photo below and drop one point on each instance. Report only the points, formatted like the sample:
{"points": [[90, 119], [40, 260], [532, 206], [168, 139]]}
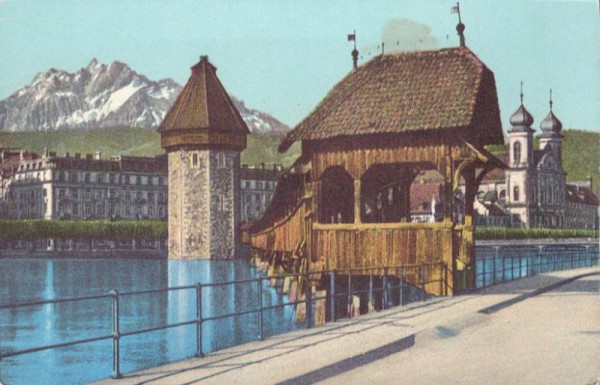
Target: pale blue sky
{"points": [[283, 56]]}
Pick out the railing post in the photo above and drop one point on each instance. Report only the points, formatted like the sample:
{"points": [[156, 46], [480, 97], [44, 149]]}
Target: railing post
{"points": [[199, 352], [116, 335], [520, 266], [503, 269], [494, 270], [400, 302], [385, 287], [512, 268], [332, 294], [349, 296], [422, 268], [308, 301], [483, 271], [495, 260], [261, 335]]}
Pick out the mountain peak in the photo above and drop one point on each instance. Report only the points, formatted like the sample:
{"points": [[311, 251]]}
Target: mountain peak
{"points": [[105, 96], [93, 63]]}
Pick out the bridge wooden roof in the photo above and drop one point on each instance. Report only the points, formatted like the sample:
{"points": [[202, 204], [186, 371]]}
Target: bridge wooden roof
{"points": [[440, 91]]}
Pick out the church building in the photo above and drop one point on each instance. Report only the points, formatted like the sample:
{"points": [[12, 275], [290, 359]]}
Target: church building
{"points": [[533, 191]]}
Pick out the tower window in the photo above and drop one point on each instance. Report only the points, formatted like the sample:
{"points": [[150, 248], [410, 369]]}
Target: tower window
{"points": [[517, 153], [221, 160], [516, 194]]}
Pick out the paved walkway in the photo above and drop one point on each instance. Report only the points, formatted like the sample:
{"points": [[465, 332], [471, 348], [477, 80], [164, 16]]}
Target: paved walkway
{"points": [[539, 330]]}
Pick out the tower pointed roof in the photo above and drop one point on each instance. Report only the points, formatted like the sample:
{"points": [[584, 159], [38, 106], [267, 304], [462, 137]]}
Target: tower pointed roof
{"points": [[203, 104]]}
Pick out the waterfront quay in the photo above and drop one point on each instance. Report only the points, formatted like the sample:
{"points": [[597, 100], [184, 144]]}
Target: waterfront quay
{"points": [[537, 330]]}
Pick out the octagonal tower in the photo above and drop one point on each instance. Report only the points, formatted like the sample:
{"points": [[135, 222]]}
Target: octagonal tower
{"points": [[203, 135]]}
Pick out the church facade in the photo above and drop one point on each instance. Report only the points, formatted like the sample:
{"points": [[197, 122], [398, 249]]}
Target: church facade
{"points": [[533, 191]]}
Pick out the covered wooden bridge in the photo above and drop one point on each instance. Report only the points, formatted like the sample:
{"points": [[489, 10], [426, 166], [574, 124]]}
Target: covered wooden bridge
{"points": [[346, 202]]}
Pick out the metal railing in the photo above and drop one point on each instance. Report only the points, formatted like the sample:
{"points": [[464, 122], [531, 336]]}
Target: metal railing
{"points": [[410, 278], [520, 263]]}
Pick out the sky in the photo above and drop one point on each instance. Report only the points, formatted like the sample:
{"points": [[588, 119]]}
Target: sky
{"points": [[283, 56]]}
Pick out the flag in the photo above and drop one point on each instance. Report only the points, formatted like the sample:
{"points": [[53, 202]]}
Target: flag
{"points": [[454, 9], [352, 37]]}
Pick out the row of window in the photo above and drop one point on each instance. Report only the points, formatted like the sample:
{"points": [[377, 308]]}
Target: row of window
{"points": [[111, 178], [258, 185], [111, 194]]}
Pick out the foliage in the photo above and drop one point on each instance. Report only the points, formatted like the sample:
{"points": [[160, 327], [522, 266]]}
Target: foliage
{"points": [[30, 229], [505, 233], [262, 148]]}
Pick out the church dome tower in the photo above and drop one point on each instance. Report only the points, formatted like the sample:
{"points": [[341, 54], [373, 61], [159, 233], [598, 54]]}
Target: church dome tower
{"points": [[521, 137], [203, 135], [552, 136]]}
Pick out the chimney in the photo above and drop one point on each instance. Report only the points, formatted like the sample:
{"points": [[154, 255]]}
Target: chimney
{"points": [[262, 166], [77, 155], [45, 152], [590, 181], [22, 155], [89, 156], [66, 154], [98, 155]]}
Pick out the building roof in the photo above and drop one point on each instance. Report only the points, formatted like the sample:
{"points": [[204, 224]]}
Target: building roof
{"points": [[261, 173], [497, 174], [551, 126], [521, 120], [118, 163], [448, 89], [576, 194], [421, 195], [203, 104]]}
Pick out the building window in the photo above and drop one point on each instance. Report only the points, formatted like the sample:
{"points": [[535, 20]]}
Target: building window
{"points": [[221, 161], [517, 153], [516, 194], [194, 160]]}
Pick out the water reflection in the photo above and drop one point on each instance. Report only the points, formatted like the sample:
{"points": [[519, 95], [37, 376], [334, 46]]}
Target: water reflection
{"points": [[26, 280]]}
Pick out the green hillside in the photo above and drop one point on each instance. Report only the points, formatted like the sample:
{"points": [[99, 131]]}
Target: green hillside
{"points": [[581, 149], [133, 141]]}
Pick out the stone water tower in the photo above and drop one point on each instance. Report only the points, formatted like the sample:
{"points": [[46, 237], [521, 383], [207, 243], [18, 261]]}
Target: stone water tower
{"points": [[203, 135]]}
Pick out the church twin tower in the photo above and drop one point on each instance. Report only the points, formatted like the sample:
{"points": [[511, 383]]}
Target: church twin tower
{"points": [[203, 135]]}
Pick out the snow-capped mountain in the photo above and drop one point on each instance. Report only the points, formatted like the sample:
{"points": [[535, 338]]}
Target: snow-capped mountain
{"points": [[105, 96]]}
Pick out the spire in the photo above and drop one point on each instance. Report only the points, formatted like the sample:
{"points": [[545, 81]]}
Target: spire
{"points": [[521, 119], [352, 37], [521, 92], [460, 27]]}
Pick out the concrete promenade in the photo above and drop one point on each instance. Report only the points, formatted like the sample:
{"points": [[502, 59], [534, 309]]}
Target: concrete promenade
{"points": [[539, 330]]}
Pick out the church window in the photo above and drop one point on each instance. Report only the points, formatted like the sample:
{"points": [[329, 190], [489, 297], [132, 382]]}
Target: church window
{"points": [[516, 194], [517, 153]]}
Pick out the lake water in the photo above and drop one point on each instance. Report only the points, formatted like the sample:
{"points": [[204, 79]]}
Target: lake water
{"points": [[27, 280]]}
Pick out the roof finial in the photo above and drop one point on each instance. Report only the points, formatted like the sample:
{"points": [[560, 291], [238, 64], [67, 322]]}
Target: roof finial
{"points": [[550, 99], [521, 92], [460, 27], [352, 37]]}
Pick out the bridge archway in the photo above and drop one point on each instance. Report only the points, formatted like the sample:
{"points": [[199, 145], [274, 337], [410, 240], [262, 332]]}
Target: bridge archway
{"points": [[337, 196]]}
